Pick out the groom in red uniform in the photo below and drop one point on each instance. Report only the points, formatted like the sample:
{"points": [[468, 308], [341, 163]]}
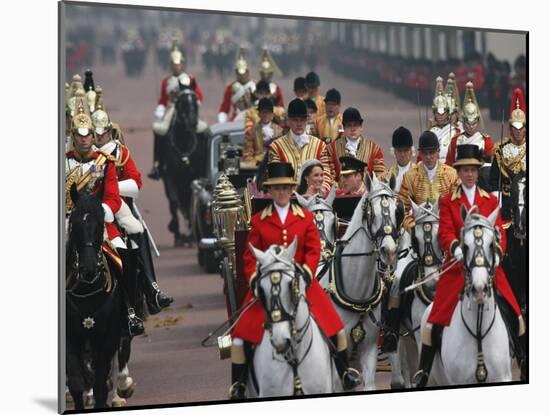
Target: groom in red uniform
{"points": [[279, 224], [451, 283]]}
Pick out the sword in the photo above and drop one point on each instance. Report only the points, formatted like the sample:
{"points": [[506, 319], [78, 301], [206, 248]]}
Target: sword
{"points": [[151, 240], [499, 168], [431, 276]]}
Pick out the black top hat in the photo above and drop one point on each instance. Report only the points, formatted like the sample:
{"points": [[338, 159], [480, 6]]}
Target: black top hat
{"points": [[265, 104], [351, 165], [263, 85], [333, 95], [280, 173], [300, 84], [312, 80], [468, 155], [428, 141], [351, 114], [310, 104], [402, 138], [297, 109]]}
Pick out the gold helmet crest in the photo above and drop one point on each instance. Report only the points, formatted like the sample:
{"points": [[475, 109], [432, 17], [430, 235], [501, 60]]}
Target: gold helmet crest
{"points": [[81, 123], [518, 113], [176, 56], [100, 118], [267, 65], [471, 112], [451, 90], [241, 66], [76, 84], [440, 103]]}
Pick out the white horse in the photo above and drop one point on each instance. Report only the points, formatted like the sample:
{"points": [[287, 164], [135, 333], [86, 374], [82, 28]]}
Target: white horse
{"points": [[475, 346], [293, 357], [366, 251], [325, 220], [423, 259]]}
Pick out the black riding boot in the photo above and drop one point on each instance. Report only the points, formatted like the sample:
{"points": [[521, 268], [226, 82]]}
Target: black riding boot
{"points": [[155, 171], [391, 332], [129, 285], [239, 376], [351, 378], [427, 355], [518, 343], [156, 299]]}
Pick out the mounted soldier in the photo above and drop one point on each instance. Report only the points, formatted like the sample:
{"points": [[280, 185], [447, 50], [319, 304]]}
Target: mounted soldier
{"points": [[297, 147], [279, 224], [352, 143], [267, 68], [237, 96], [162, 115], [451, 284], [108, 142], [443, 128], [451, 90], [92, 172]]}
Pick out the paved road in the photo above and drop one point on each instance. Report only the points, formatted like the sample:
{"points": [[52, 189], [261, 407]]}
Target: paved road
{"points": [[168, 362]]}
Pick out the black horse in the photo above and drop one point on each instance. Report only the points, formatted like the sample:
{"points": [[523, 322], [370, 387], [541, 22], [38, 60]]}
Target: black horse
{"points": [[183, 153], [93, 302], [515, 261]]}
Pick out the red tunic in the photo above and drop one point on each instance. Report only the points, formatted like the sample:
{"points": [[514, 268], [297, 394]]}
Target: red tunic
{"points": [[107, 188], [487, 151], [270, 231], [278, 99], [128, 169], [164, 95], [451, 283]]}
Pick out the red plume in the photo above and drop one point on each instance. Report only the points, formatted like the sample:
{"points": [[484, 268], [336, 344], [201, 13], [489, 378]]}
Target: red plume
{"points": [[517, 98]]}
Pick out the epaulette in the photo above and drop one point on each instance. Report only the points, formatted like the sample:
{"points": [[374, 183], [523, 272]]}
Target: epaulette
{"points": [[297, 210], [505, 141], [268, 211], [483, 193], [456, 192]]}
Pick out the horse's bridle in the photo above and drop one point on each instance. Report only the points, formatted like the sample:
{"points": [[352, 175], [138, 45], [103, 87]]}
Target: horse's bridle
{"points": [[327, 247], [479, 257]]}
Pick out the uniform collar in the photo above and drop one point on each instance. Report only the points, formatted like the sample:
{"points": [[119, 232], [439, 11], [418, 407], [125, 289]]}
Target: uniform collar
{"points": [[457, 192]]}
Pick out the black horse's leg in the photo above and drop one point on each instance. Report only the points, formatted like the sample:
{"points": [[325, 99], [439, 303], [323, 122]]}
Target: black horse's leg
{"points": [[75, 381], [102, 366], [171, 193]]}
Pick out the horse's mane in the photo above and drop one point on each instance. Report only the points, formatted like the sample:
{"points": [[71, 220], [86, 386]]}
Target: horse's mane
{"points": [[515, 187], [356, 220]]}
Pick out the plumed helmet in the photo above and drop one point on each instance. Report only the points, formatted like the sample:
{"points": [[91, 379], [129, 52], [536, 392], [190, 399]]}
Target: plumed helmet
{"points": [[241, 66], [176, 57], [81, 123], [518, 109], [440, 103], [267, 64], [100, 118], [451, 90], [470, 112]]}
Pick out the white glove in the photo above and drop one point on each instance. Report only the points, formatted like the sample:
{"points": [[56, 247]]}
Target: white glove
{"points": [[159, 112], [222, 117], [128, 188], [459, 255], [108, 217]]}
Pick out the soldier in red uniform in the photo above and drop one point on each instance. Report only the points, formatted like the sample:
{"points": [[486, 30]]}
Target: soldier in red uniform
{"points": [[236, 90], [129, 184], [267, 69], [92, 172], [279, 224], [177, 66], [451, 283]]}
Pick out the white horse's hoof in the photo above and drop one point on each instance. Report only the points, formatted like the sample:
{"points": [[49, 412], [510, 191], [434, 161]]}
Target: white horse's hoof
{"points": [[128, 391], [118, 402], [68, 396], [89, 400]]}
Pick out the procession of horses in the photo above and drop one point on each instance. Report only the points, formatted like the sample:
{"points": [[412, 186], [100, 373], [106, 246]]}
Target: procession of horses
{"points": [[386, 250]]}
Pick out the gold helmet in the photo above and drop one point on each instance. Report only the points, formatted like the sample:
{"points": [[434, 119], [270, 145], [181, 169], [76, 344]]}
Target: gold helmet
{"points": [[241, 66], [471, 112], [100, 118], [67, 96], [451, 90], [81, 123], [267, 65], [518, 113], [440, 103], [76, 84], [176, 57]]}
